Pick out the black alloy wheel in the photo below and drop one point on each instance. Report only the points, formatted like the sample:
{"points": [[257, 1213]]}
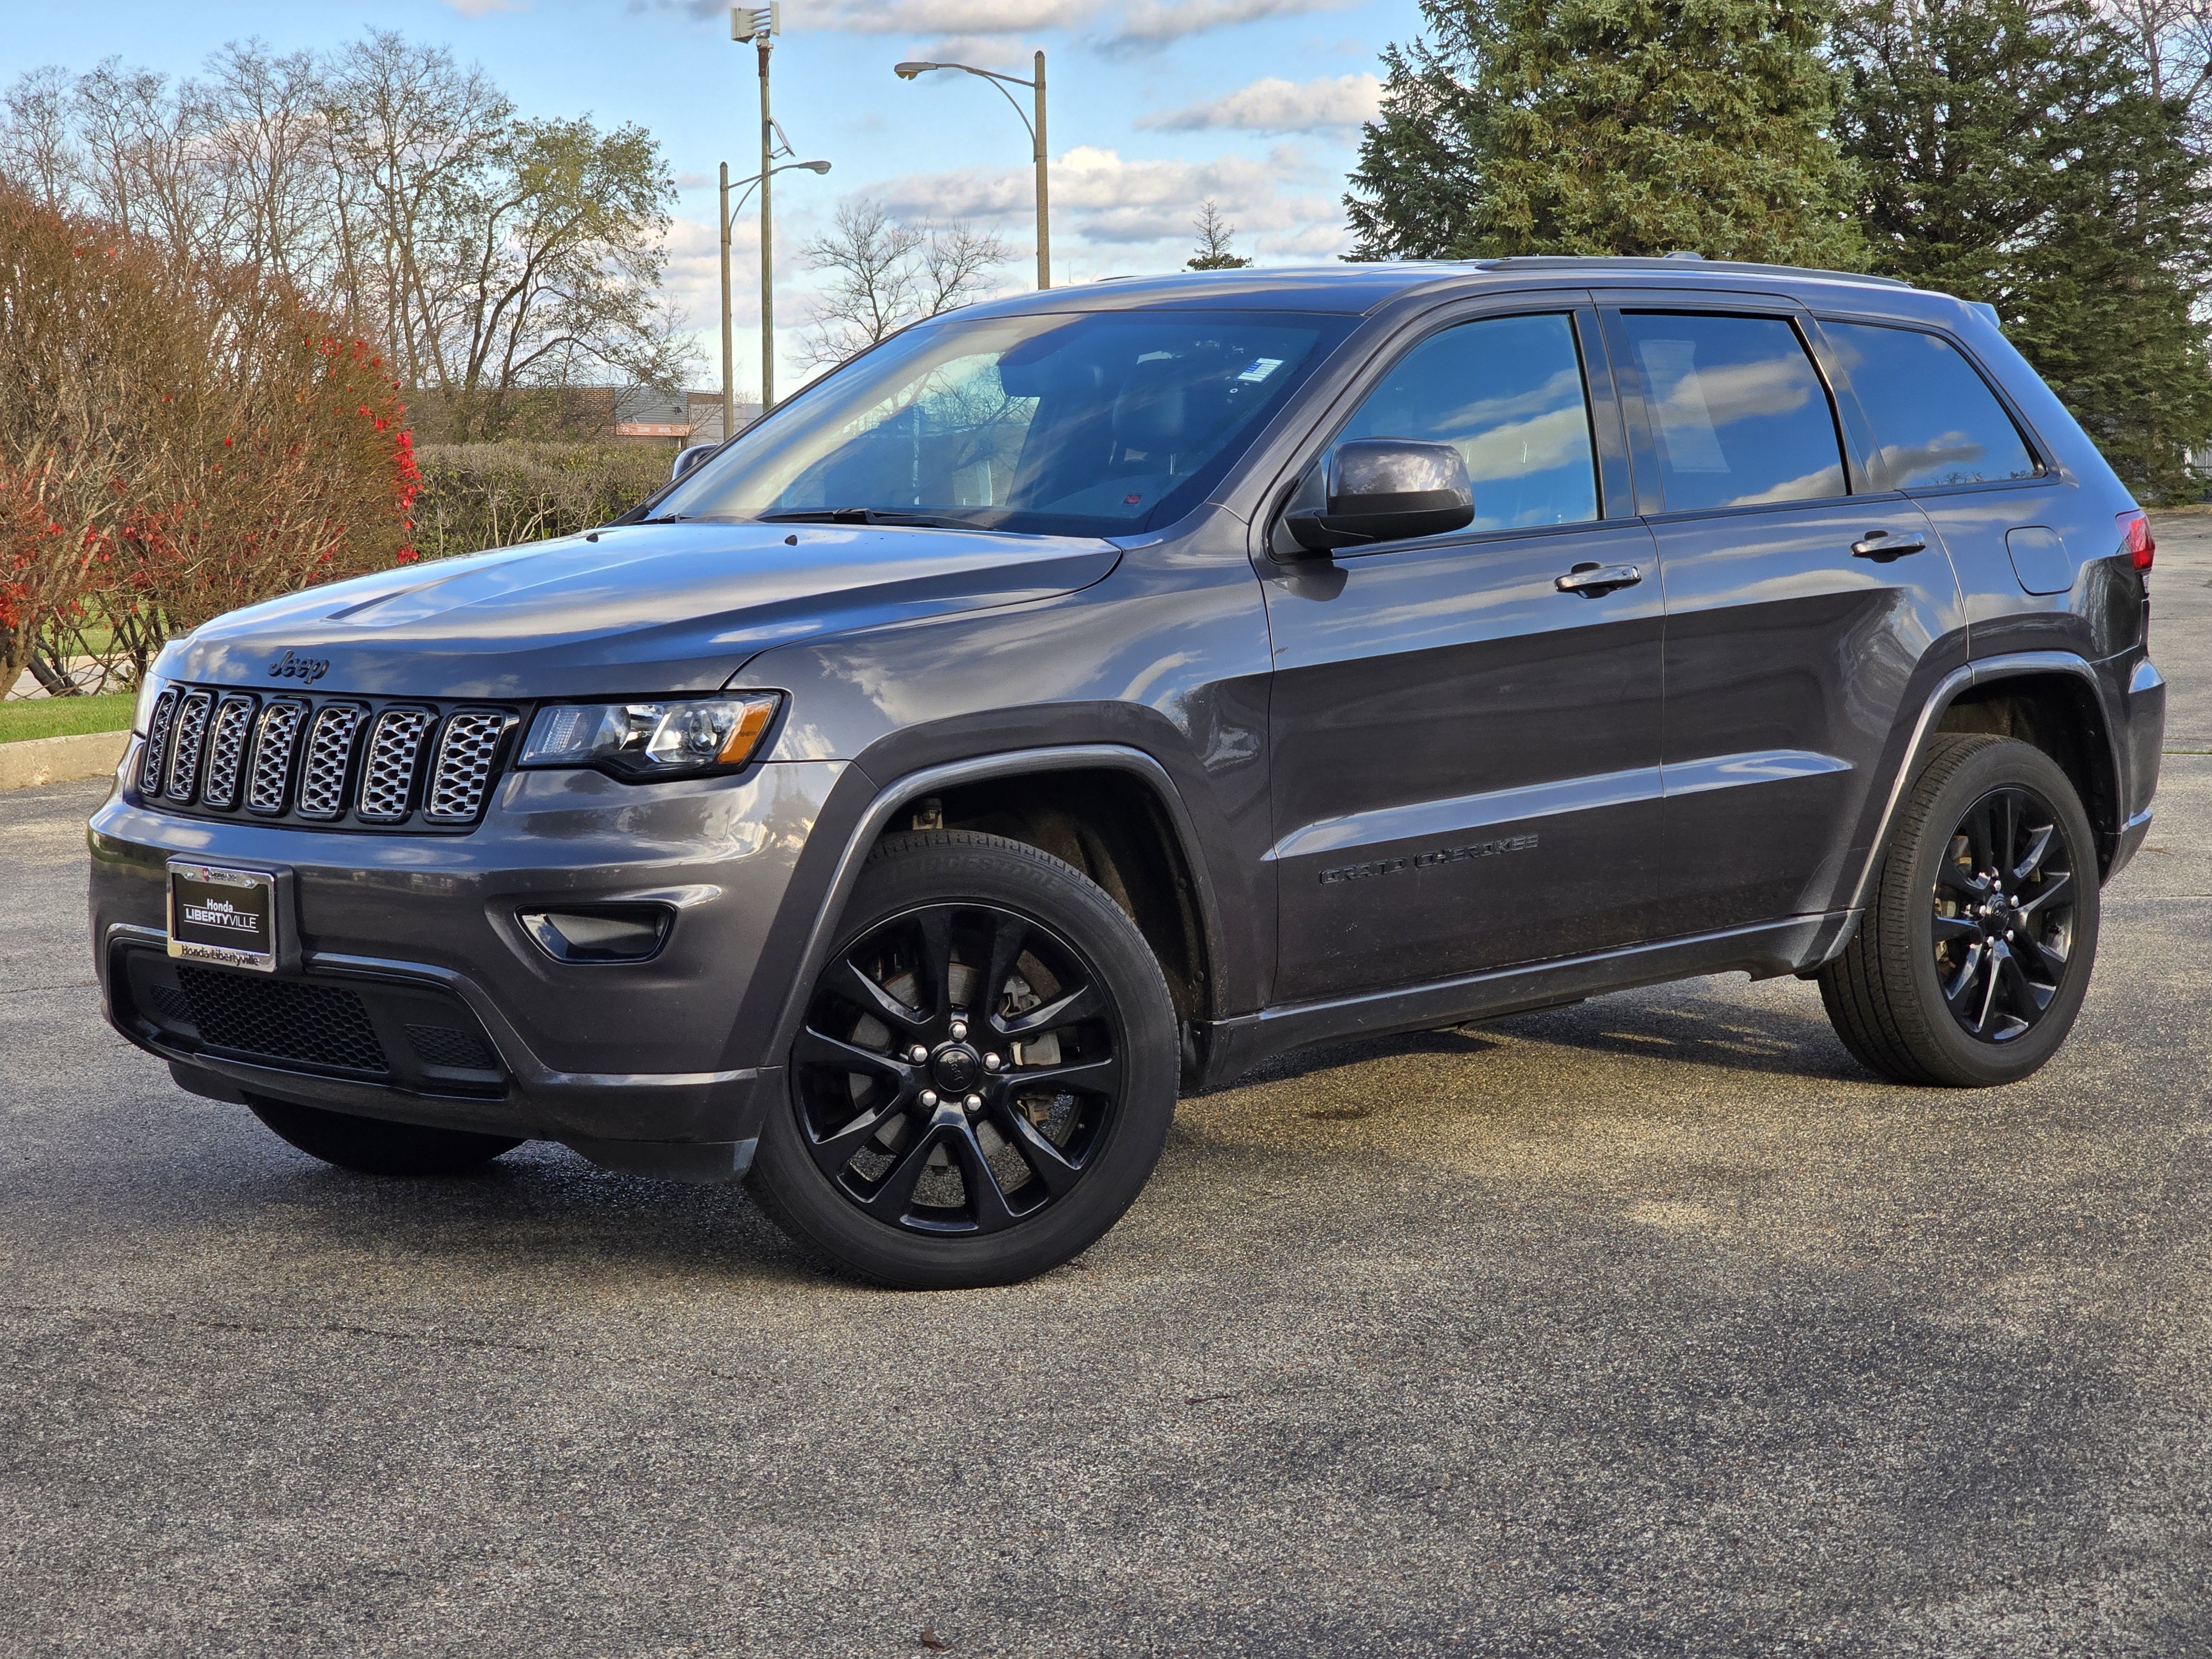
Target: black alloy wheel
{"points": [[2003, 927], [959, 1065], [984, 1072], [1973, 954]]}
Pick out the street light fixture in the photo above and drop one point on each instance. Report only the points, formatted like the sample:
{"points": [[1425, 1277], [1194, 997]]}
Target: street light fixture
{"points": [[907, 71], [768, 327]]}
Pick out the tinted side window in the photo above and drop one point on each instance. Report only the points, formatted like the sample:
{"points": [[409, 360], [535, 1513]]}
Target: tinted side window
{"points": [[1738, 413], [1935, 421], [1508, 392]]}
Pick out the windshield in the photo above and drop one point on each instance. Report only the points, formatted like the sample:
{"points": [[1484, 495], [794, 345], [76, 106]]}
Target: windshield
{"points": [[1086, 423]]}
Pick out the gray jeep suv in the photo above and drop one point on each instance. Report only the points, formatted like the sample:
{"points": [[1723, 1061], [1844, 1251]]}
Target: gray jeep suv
{"points": [[1080, 697]]}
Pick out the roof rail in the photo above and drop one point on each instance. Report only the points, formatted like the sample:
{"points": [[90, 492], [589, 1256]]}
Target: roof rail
{"points": [[1673, 262]]}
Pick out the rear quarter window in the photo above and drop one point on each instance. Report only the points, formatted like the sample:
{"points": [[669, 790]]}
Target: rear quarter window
{"points": [[1935, 421]]}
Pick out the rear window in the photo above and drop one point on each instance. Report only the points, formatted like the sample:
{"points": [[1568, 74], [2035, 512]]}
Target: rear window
{"points": [[1935, 421], [1739, 416]]}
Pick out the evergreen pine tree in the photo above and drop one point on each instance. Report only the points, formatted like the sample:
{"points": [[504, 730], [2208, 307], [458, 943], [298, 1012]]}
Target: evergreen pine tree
{"points": [[2010, 154], [1609, 126]]}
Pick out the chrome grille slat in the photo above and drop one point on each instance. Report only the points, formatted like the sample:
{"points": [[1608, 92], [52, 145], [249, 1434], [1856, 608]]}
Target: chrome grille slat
{"points": [[328, 756], [157, 744], [273, 742], [387, 778], [347, 762], [185, 740], [226, 763], [466, 749]]}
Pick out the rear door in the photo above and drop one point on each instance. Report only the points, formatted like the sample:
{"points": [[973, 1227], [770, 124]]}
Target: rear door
{"points": [[2013, 526], [1465, 758], [1802, 609]]}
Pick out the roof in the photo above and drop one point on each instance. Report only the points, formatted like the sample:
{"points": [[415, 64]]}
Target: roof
{"points": [[1357, 288]]}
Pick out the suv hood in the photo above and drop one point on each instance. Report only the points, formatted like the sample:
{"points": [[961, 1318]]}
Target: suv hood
{"points": [[642, 609]]}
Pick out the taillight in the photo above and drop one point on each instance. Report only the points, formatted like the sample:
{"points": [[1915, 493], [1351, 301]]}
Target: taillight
{"points": [[2141, 548]]}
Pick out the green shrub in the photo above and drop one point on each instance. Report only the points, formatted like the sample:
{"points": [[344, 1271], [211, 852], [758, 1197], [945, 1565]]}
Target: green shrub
{"points": [[494, 494]]}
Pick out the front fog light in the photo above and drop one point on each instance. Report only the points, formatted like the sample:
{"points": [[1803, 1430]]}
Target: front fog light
{"points": [[677, 737], [612, 933]]}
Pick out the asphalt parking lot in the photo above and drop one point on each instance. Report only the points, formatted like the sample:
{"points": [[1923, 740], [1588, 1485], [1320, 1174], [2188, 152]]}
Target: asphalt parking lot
{"points": [[1648, 1326]]}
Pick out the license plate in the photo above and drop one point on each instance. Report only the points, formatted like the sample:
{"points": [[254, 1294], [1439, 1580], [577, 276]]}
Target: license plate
{"points": [[221, 914]]}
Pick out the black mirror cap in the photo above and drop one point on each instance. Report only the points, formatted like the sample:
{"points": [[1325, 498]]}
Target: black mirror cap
{"points": [[1387, 490], [690, 457]]}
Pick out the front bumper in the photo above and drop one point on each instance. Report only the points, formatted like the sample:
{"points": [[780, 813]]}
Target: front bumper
{"points": [[658, 1066]]}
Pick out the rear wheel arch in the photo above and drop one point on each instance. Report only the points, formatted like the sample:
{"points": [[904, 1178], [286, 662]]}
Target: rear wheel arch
{"points": [[2058, 711]]}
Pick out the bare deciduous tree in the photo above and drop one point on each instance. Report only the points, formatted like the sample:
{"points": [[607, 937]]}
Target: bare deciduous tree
{"points": [[38, 147], [394, 187], [885, 275]]}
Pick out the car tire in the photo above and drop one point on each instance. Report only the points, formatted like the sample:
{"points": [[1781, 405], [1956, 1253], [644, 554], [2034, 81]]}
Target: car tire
{"points": [[1975, 951], [373, 1147], [985, 1073]]}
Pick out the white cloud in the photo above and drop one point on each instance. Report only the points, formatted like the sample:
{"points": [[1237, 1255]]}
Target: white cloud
{"points": [[945, 16], [1100, 199], [983, 51], [480, 8], [1147, 23], [1276, 106], [1150, 23]]}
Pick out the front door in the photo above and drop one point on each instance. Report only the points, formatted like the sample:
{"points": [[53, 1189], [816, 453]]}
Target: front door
{"points": [[1801, 617], [1464, 755]]}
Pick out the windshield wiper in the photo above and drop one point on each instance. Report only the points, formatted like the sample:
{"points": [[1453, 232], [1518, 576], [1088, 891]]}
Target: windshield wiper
{"points": [[868, 515]]}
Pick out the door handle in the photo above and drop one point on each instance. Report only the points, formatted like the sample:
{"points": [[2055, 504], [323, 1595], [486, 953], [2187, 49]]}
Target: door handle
{"points": [[1881, 547], [1592, 580]]}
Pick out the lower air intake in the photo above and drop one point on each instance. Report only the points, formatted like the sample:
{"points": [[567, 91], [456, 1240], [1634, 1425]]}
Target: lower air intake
{"points": [[282, 1019]]}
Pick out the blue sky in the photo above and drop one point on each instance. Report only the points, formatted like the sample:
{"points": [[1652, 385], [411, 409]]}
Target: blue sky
{"points": [[1155, 104]]}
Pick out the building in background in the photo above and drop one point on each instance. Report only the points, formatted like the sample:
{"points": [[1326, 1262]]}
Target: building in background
{"points": [[654, 414]]}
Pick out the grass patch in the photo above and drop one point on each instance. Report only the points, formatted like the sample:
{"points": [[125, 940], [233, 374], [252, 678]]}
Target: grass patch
{"points": [[64, 717]]}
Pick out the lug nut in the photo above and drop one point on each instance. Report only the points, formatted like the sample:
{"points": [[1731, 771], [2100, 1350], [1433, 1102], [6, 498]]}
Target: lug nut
{"points": [[929, 1097], [959, 1031], [917, 1053], [992, 1062], [974, 1103]]}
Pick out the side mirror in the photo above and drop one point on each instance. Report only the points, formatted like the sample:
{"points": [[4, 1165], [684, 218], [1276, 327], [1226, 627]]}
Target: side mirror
{"points": [[1381, 490], [690, 457]]}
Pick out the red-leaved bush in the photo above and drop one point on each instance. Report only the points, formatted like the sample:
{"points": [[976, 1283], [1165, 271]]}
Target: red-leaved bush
{"points": [[175, 443]]}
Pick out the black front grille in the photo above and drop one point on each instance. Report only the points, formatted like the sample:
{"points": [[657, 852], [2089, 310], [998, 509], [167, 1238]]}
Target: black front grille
{"points": [[441, 1045], [282, 1019], [329, 763], [169, 1001], [398, 1032]]}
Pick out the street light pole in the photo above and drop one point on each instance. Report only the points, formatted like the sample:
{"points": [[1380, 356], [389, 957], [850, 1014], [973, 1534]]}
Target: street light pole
{"points": [[1044, 202], [907, 71], [729, 219], [729, 352], [768, 235]]}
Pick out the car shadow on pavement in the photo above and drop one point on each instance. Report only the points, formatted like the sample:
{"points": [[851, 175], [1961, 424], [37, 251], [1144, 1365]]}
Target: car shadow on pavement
{"points": [[1734, 1037], [1739, 1037]]}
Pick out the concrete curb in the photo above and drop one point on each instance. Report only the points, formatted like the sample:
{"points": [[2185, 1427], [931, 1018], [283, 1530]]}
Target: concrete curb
{"points": [[60, 760]]}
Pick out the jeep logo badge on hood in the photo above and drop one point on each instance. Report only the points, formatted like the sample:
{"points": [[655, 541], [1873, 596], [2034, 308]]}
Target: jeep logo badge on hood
{"points": [[289, 667]]}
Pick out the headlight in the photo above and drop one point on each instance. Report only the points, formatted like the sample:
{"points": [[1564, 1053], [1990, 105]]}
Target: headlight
{"points": [[674, 738], [149, 690]]}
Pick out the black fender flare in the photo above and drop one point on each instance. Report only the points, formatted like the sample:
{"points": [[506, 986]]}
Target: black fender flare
{"points": [[932, 780], [1948, 690]]}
